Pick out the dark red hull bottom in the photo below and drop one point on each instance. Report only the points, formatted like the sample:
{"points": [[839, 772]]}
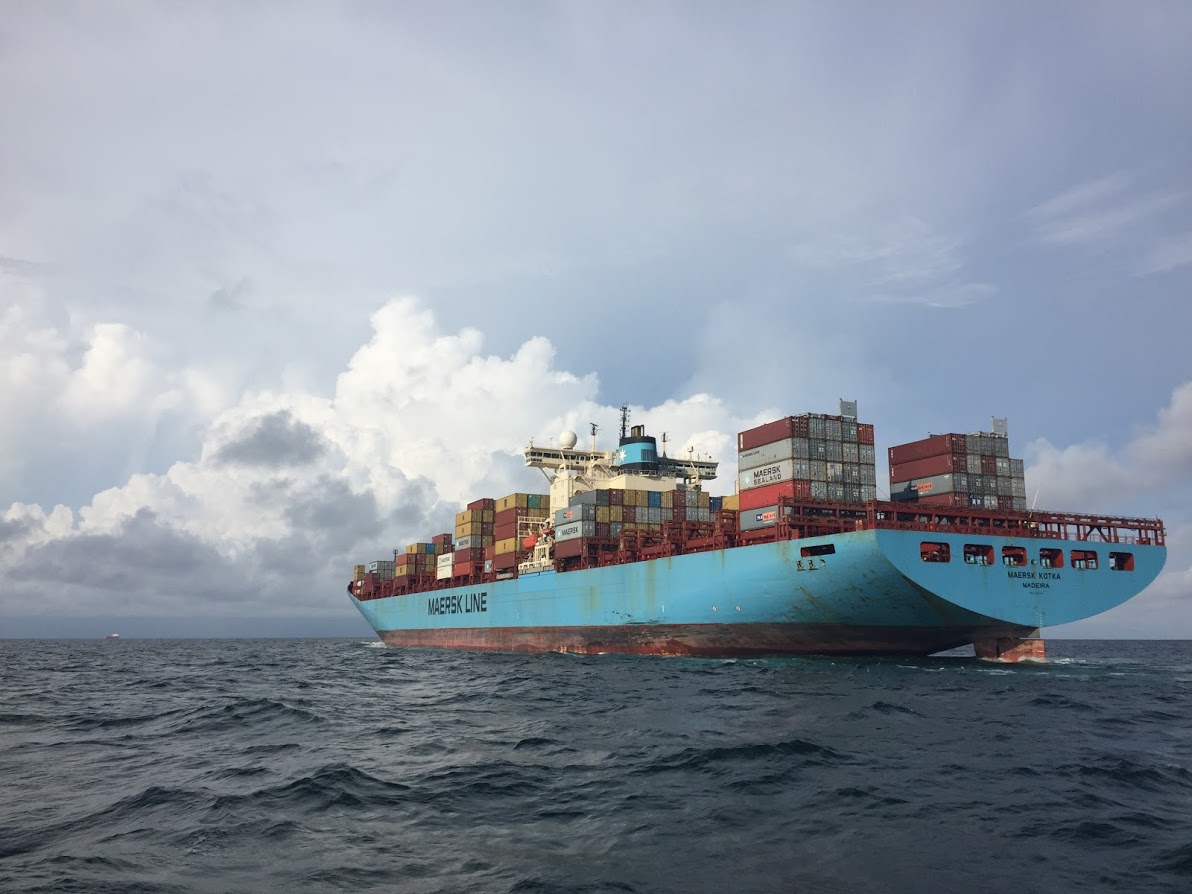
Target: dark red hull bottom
{"points": [[698, 640]]}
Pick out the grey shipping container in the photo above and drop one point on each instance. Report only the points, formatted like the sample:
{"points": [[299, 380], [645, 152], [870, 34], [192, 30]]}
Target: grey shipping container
{"points": [[1017, 487], [835, 471], [1003, 466], [819, 490], [835, 451], [1004, 487], [866, 454], [1016, 468], [850, 452], [753, 519], [973, 464], [819, 470], [869, 476], [768, 454], [576, 512], [832, 429], [868, 492], [936, 484]]}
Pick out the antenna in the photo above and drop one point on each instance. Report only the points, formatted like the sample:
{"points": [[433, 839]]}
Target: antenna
{"points": [[664, 440], [595, 428], [624, 420]]}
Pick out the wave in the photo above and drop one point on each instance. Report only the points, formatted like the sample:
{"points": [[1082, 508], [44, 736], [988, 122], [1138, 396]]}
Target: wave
{"points": [[720, 756]]}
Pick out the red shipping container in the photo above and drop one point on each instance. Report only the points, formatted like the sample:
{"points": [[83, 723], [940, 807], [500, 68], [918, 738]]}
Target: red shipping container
{"points": [[505, 561], [616, 497], [770, 494], [988, 465], [490, 552], [928, 467], [864, 433], [570, 548], [504, 532], [505, 516], [933, 446], [475, 554], [778, 430], [485, 503], [943, 500]]}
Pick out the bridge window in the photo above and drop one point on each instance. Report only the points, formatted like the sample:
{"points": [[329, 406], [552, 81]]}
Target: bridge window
{"points": [[1051, 558], [978, 554], [824, 549], [930, 551], [1013, 555], [1084, 558], [1121, 561]]}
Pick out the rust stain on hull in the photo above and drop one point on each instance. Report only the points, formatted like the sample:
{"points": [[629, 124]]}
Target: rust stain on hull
{"points": [[696, 640]]}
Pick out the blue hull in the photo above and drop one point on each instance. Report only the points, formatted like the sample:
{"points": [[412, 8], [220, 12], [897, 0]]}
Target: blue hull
{"points": [[873, 594]]}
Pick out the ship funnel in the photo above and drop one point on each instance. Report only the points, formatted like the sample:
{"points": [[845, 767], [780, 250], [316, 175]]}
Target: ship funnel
{"points": [[637, 452]]}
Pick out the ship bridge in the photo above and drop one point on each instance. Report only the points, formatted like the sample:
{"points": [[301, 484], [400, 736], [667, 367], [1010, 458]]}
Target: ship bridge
{"points": [[595, 462]]}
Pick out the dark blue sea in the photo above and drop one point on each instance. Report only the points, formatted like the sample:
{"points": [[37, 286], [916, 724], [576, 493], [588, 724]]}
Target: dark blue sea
{"points": [[338, 765]]}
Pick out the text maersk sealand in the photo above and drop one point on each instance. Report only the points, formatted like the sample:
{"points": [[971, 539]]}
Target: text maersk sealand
{"points": [[803, 576]]}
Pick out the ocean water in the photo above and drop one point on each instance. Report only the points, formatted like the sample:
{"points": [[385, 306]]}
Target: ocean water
{"points": [[338, 765]]}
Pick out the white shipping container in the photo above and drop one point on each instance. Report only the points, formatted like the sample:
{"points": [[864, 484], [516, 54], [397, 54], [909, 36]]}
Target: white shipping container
{"points": [[572, 530], [445, 560], [443, 572], [774, 473]]}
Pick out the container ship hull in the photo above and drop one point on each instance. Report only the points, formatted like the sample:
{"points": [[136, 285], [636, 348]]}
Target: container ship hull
{"points": [[865, 592]]}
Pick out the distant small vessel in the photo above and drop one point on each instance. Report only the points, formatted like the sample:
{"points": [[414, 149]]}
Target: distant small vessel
{"points": [[112, 636]]}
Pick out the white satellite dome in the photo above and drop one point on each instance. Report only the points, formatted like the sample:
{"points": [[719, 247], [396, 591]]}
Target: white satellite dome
{"points": [[568, 440]]}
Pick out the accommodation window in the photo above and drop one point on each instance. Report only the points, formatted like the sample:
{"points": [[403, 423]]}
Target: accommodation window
{"points": [[978, 554], [1051, 558], [1013, 555], [823, 549], [1084, 558], [929, 551], [1121, 561]]}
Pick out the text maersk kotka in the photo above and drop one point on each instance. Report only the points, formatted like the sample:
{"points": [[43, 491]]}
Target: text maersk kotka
{"points": [[457, 604]]}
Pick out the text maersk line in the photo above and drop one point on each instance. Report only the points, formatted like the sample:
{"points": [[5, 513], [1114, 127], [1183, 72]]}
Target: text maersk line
{"points": [[457, 603]]}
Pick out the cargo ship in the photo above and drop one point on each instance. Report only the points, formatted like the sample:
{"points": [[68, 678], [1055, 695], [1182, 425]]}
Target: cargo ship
{"points": [[628, 553]]}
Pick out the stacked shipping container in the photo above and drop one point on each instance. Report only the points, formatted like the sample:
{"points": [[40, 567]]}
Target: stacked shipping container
{"points": [[974, 470], [599, 518], [808, 457]]}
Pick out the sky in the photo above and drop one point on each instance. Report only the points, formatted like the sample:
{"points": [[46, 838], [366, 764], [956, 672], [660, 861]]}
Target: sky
{"points": [[282, 285]]}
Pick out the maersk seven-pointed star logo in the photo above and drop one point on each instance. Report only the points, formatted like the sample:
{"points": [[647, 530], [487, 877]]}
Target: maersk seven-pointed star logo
{"points": [[621, 456]]}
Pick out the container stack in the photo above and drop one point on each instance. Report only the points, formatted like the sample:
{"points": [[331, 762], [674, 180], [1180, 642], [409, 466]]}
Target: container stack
{"points": [[598, 518], [358, 574], [813, 457], [516, 515], [383, 568], [418, 561], [974, 471], [473, 535]]}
